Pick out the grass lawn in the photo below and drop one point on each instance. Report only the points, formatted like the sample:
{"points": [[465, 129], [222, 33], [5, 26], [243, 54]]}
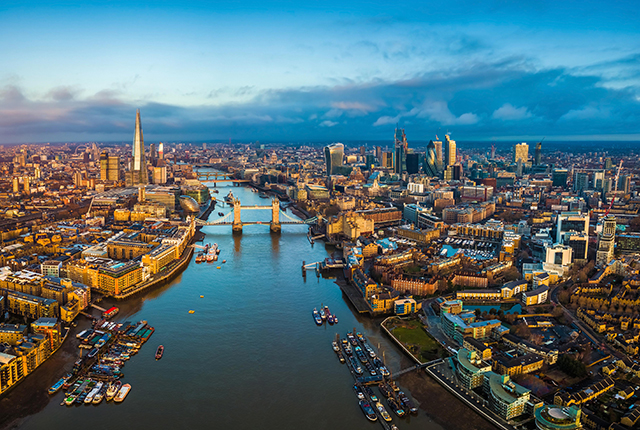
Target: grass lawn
{"points": [[412, 334]]}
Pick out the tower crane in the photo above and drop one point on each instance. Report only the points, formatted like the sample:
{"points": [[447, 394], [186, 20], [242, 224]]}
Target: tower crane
{"points": [[615, 190]]}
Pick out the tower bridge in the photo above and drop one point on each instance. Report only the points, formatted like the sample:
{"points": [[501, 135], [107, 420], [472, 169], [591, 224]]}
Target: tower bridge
{"points": [[234, 218]]}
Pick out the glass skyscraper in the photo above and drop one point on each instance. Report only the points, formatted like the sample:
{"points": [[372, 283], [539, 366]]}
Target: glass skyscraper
{"points": [[333, 155]]}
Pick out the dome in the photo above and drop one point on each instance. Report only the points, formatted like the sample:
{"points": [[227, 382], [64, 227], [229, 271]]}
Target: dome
{"points": [[189, 204]]}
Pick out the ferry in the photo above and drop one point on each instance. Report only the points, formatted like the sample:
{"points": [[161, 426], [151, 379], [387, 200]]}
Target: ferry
{"points": [[316, 317], [159, 352], [113, 389], [368, 410], [122, 393], [383, 412]]}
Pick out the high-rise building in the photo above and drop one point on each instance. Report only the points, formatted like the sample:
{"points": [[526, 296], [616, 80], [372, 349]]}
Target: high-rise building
{"points": [[161, 151], [580, 181], [387, 159], [569, 223], [139, 168], [114, 168], [606, 241], [521, 152], [608, 164], [401, 146], [413, 163], [538, 154], [379, 154], [623, 184], [430, 166], [333, 155], [493, 152], [439, 155], [559, 177], [363, 150], [104, 166], [449, 151]]}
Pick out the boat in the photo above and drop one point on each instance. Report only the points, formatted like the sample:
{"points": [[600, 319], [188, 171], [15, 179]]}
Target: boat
{"points": [[383, 412], [159, 352], [122, 393], [335, 346], [328, 315], [407, 402], [368, 410], [316, 317], [200, 257], [341, 357], [396, 408], [371, 394], [55, 387], [99, 396], [220, 213], [335, 319], [322, 314], [89, 398], [113, 389], [359, 391], [229, 198], [224, 261], [69, 400]]}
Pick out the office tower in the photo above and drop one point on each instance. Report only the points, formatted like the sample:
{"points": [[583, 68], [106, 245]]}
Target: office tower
{"points": [[598, 180], [204, 146], [413, 163], [333, 155], [104, 166], [161, 151], [453, 172], [16, 185], [519, 167], [521, 152], [430, 166], [439, 155], [449, 151], [493, 151], [579, 242], [387, 159], [379, 154], [570, 222], [114, 168], [580, 181], [401, 147], [138, 175], [606, 241], [538, 154], [623, 184], [608, 164], [27, 186], [363, 150], [370, 160], [559, 177], [153, 155]]}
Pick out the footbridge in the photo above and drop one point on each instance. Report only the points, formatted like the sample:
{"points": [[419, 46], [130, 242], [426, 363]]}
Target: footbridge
{"points": [[234, 218], [417, 367]]}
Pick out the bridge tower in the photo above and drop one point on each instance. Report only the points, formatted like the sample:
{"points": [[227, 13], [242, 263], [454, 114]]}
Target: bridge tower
{"points": [[275, 216], [237, 222]]}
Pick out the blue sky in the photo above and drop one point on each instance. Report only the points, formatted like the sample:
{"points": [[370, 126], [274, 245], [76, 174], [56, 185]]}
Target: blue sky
{"points": [[319, 71]]}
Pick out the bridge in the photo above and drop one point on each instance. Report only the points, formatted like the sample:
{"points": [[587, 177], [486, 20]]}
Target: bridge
{"points": [[217, 177], [416, 367], [234, 218]]}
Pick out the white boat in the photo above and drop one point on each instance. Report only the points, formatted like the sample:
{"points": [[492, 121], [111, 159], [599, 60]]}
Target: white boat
{"points": [[93, 392], [98, 397], [122, 393], [383, 412]]}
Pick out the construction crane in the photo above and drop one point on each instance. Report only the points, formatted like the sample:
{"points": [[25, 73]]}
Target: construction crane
{"points": [[615, 189]]}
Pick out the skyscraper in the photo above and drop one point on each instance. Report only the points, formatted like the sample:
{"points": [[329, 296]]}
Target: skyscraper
{"points": [[413, 163], [138, 174], [606, 241], [450, 151], [521, 152], [538, 154], [333, 155], [400, 151], [430, 165]]}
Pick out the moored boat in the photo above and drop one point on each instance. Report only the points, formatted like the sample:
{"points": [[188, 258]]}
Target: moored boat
{"points": [[159, 352], [55, 387], [113, 389], [368, 410], [383, 412], [316, 317], [122, 393], [335, 346], [359, 391]]}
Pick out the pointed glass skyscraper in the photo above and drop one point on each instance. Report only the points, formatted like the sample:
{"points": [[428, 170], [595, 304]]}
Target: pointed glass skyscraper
{"points": [[139, 174]]}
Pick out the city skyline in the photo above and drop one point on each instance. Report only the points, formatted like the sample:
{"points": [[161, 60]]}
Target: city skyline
{"points": [[283, 72]]}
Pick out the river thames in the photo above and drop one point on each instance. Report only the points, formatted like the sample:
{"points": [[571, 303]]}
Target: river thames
{"points": [[250, 356]]}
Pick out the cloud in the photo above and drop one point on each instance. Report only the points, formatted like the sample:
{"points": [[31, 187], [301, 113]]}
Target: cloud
{"points": [[476, 101], [508, 112], [328, 123]]}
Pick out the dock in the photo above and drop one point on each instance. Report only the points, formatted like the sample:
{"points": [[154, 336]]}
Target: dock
{"points": [[355, 296]]}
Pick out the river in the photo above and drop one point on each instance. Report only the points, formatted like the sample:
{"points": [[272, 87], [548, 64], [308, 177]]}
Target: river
{"points": [[250, 356]]}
